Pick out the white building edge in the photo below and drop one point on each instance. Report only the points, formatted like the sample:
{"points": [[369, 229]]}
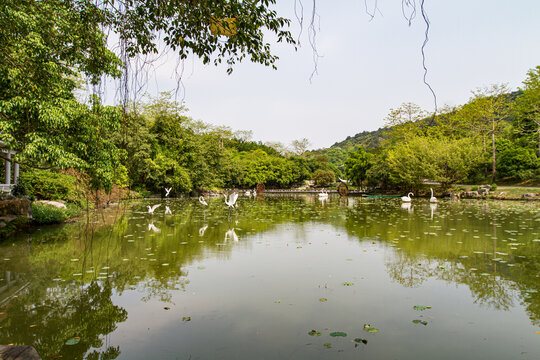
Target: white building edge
{"points": [[9, 181]]}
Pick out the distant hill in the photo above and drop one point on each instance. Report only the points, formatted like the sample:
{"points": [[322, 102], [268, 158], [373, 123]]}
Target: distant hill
{"points": [[337, 153], [366, 139]]}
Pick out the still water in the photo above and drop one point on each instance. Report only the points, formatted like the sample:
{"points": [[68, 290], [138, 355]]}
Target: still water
{"points": [[281, 278]]}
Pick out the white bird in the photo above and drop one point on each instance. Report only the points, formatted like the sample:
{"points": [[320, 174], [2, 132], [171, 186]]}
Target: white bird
{"points": [[432, 199], [167, 191], [254, 192], [248, 193], [152, 208], [343, 180], [407, 198], [232, 199], [152, 227], [323, 194], [167, 210], [202, 201]]}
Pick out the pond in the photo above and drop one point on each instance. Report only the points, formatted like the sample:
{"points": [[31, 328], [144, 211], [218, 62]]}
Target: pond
{"points": [[284, 277]]}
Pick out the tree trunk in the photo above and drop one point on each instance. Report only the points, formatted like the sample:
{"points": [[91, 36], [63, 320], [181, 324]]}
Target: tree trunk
{"points": [[494, 160], [538, 140]]}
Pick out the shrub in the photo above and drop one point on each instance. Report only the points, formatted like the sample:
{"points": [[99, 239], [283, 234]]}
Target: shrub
{"points": [[47, 185], [474, 188], [324, 177], [493, 187], [47, 214]]}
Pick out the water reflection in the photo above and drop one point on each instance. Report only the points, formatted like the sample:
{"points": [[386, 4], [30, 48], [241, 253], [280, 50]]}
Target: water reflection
{"points": [[93, 272]]}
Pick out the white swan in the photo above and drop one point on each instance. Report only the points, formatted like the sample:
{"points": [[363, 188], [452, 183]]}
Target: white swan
{"points": [[152, 208], [407, 198], [167, 191], [202, 201], [343, 180], [432, 199], [323, 194], [167, 210]]}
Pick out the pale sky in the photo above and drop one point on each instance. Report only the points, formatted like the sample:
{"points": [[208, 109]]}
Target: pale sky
{"points": [[366, 68]]}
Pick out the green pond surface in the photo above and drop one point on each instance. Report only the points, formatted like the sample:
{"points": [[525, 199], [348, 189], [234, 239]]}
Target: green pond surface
{"points": [[284, 277]]}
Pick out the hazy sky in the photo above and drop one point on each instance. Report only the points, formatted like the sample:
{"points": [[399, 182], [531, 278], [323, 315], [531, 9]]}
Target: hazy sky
{"points": [[366, 68]]}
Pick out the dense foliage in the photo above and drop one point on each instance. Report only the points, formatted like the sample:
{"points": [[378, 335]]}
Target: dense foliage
{"points": [[495, 136]]}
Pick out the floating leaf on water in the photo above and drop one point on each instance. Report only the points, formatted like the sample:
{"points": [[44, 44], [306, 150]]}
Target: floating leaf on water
{"points": [[167, 308], [338, 333], [371, 329], [420, 322], [314, 332], [201, 267], [277, 301], [421, 307], [349, 259], [327, 345], [347, 284], [186, 318], [360, 340], [73, 341], [323, 299]]}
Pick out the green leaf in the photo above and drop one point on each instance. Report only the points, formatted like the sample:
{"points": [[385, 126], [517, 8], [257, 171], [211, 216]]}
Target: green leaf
{"points": [[73, 341], [327, 345], [360, 340], [421, 307], [338, 333]]}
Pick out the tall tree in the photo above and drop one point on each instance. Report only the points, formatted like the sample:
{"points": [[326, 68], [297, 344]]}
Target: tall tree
{"points": [[485, 112], [527, 106]]}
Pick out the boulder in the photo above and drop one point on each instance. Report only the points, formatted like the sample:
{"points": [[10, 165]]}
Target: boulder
{"points": [[17, 207], [58, 204], [471, 194]]}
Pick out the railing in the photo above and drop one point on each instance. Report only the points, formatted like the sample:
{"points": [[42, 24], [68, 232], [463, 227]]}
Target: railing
{"points": [[6, 188]]}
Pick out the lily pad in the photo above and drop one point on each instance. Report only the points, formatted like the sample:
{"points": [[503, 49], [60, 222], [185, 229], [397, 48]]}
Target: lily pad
{"points": [[186, 318], [338, 333], [327, 345], [314, 332], [421, 307], [371, 330], [73, 341], [360, 340], [323, 299], [347, 284], [420, 322]]}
